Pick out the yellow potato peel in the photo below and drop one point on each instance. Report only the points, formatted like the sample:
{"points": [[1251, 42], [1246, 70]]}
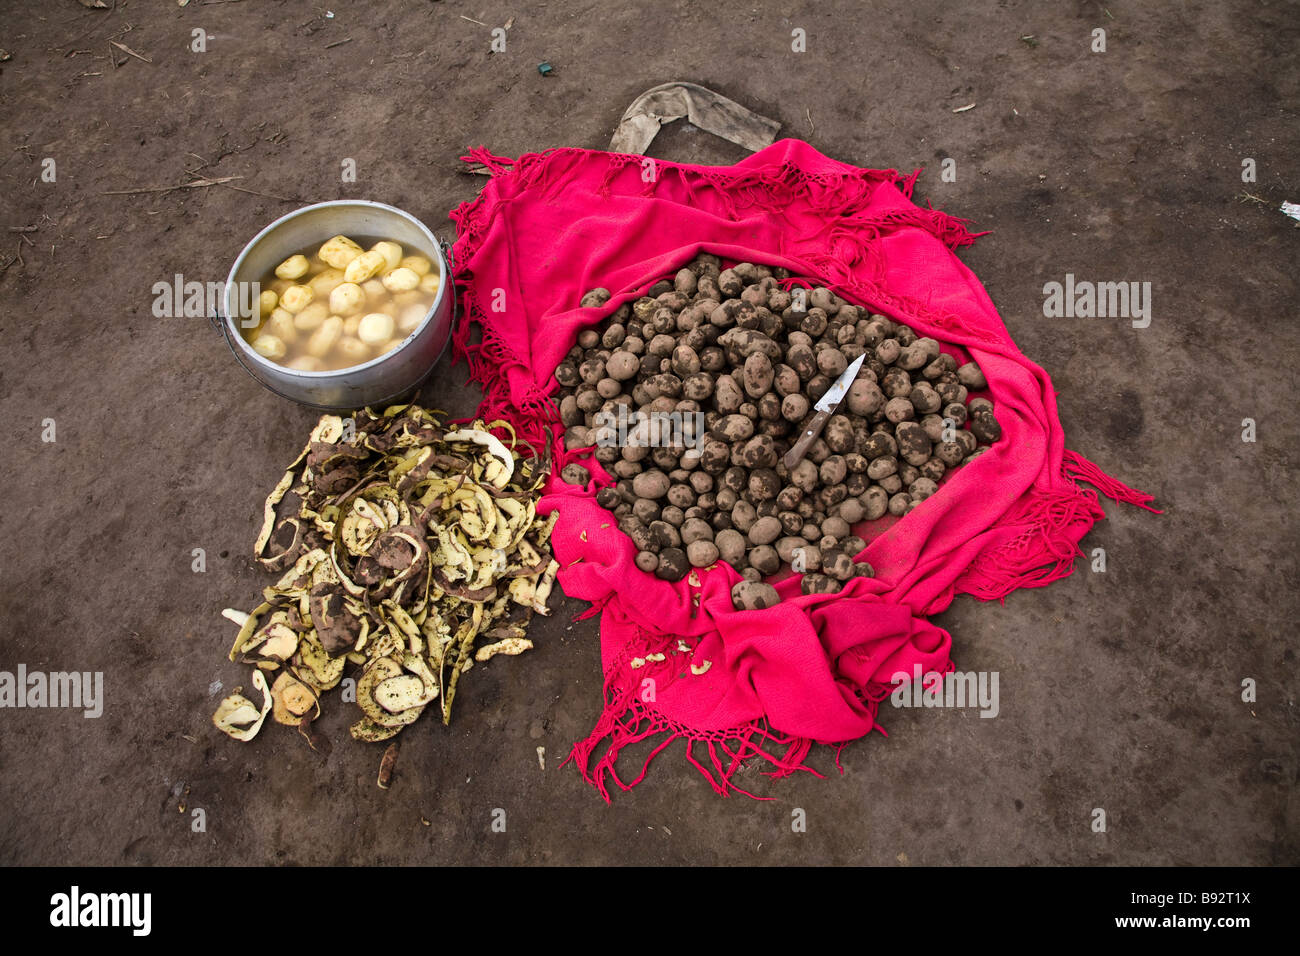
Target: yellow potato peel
{"points": [[410, 543]]}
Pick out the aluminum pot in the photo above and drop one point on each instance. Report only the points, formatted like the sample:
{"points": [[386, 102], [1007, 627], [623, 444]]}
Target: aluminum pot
{"points": [[379, 381]]}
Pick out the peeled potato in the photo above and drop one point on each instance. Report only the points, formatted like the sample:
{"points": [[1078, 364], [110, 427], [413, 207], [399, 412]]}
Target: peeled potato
{"points": [[325, 338], [391, 252], [337, 306], [268, 346], [411, 316], [280, 325], [375, 328], [346, 299], [295, 267], [354, 351], [310, 318], [297, 297], [400, 280], [339, 251], [363, 267], [323, 283], [267, 302], [417, 264]]}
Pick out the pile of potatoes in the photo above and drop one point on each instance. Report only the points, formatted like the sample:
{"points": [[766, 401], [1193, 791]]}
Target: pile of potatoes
{"points": [[753, 359], [342, 305]]}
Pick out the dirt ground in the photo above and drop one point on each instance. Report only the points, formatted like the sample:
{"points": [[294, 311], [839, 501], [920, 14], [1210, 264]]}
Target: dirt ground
{"points": [[1119, 690]]}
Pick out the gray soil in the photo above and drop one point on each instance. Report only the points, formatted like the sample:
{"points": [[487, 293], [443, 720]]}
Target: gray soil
{"points": [[1120, 691]]}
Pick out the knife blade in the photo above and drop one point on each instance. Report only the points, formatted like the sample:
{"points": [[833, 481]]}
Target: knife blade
{"points": [[825, 407], [835, 394]]}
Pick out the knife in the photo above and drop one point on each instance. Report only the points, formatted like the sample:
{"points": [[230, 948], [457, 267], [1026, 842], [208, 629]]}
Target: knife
{"points": [[825, 407]]}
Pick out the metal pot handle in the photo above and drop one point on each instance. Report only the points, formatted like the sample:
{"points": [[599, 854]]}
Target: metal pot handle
{"points": [[450, 259], [219, 326]]}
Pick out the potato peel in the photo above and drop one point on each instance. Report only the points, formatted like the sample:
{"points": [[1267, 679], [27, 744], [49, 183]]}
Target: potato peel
{"points": [[237, 717], [291, 699], [411, 543], [481, 436], [511, 646]]}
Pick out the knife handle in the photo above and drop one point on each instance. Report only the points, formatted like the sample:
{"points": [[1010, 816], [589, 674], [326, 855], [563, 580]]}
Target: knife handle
{"points": [[795, 454]]}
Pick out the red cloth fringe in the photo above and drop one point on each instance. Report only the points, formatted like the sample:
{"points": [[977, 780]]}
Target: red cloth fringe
{"points": [[1079, 468], [625, 720]]}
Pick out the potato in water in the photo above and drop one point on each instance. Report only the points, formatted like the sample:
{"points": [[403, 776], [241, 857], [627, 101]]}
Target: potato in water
{"points": [[341, 304]]}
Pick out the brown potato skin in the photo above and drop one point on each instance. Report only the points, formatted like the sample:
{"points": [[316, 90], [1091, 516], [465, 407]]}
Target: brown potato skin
{"points": [[736, 363]]}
